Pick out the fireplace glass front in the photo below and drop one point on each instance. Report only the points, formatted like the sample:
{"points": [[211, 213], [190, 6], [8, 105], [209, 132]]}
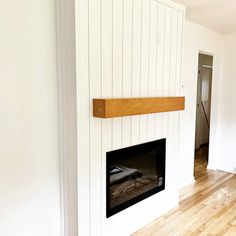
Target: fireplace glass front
{"points": [[133, 174]]}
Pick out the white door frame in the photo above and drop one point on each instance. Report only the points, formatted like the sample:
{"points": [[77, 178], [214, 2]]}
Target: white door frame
{"points": [[66, 64]]}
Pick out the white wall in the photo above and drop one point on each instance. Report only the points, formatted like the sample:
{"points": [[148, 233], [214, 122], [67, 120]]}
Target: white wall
{"points": [[29, 175], [118, 55], [226, 152], [198, 38]]}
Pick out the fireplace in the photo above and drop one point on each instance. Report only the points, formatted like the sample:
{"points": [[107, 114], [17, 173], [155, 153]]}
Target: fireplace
{"points": [[133, 174]]}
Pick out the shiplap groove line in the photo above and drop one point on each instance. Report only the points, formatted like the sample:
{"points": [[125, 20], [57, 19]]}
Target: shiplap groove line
{"points": [[180, 55], [170, 56], [122, 83], [117, 75], [157, 33], [173, 118], [176, 119], [178, 69], [140, 63], [89, 131], [89, 96], [170, 67], [117, 69], [132, 52], [173, 51], [163, 73], [132, 45], [176, 57], [112, 64], [101, 137], [160, 66], [132, 38], [141, 41], [169, 116], [156, 93], [169, 78], [147, 117], [127, 66], [152, 65], [181, 60], [136, 42], [106, 92], [145, 66], [148, 82], [149, 25]]}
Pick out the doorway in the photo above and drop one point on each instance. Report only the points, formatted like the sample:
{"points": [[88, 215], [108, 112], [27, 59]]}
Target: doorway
{"points": [[203, 113]]}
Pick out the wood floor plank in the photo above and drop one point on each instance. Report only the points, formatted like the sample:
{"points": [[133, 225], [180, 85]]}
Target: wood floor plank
{"points": [[231, 231], [219, 226]]}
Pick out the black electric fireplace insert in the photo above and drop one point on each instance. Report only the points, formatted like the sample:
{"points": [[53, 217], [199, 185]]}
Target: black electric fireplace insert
{"points": [[133, 174]]}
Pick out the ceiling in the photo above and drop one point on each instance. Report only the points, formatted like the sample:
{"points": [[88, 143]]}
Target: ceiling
{"points": [[218, 15]]}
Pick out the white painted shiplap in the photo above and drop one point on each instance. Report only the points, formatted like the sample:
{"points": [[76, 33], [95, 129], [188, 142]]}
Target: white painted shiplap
{"points": [[125, 48], [127, 51], [136, 65]]}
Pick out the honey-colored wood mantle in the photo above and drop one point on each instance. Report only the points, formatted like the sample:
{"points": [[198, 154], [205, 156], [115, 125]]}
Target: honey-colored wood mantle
{"points": [[118, 107]]}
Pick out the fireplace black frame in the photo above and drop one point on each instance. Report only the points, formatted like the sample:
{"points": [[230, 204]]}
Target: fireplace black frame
{"points": [[160, 146]]}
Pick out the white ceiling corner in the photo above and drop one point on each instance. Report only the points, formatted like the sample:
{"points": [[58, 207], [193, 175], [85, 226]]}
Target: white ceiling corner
{"points": [[218, 15]]}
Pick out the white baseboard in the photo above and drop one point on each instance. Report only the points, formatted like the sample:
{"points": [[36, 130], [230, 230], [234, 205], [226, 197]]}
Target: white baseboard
{"points": [[229, 170], [187, 182], [211, 167]]}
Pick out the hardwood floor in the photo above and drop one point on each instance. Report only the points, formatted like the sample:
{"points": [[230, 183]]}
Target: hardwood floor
{"points": [[207, 207], [201, 159]]}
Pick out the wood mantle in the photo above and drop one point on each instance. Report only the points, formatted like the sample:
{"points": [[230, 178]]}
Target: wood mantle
{"points": [[119, 107]]}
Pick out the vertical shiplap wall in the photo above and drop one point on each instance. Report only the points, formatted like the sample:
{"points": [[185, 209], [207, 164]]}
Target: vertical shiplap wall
{"points": [[125, 48]]}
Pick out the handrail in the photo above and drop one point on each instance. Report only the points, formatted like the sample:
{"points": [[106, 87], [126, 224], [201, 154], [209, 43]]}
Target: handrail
{"points": [[208, 124]]}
